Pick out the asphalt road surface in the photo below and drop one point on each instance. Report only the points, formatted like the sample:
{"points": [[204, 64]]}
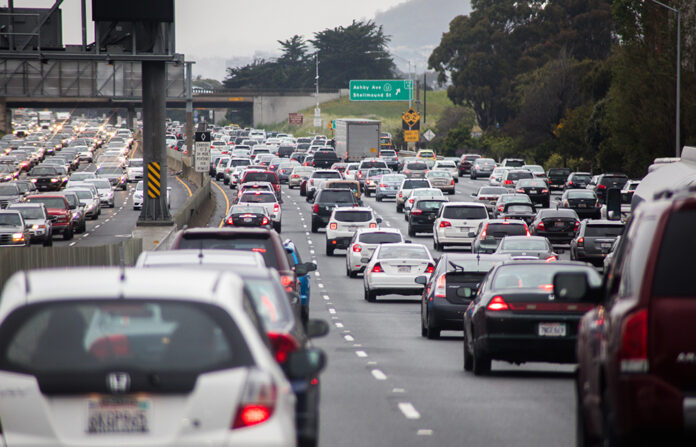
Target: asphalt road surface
{"points": [[385, 385]]}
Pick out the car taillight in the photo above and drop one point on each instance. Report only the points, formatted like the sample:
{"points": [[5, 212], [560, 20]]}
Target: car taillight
{"points": [[276, 207], [264, 221], [497, 304], [282, 345], [373, 225], [551, 258], [483, 233], [377, 268], [581, 242], [570, 182], [382, 185], [286, 281], [430, 268], [333, 225], [540, 226], [294, 176], [315, 208], [416, 212], [357, 248], [500, 208], [411, 200], [527, 228], [520, 190], [230, 221], [633, 354], [258, 400], [577, 225], [507, 182], [601, 187], [565, 204], [441, 287], [445, 223], [452, 182], [544, 191], [401, 194], [311, 182], [598, 205]]}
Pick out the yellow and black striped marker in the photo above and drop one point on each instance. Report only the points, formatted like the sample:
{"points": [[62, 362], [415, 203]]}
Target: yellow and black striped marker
{"points": [[153, 180]]}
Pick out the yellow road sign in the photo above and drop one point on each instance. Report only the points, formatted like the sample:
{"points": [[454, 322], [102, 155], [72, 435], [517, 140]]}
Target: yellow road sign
{"points": [[410, 118], [153, 180], [411, 136]]}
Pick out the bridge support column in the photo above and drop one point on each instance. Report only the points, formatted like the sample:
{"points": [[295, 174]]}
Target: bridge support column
{"points": [[155, 210], [5, 117], [130, 117]]}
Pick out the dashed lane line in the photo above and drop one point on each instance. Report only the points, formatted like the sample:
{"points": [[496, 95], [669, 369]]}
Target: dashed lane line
{"points": [[379, 375], [409, 410], [361, 354]]}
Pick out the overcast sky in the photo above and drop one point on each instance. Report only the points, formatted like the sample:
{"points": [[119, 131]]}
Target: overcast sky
{"points": [[228, 28]]}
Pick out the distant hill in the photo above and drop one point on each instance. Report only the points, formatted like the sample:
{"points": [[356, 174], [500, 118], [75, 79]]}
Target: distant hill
{"points": [[416, 27]]}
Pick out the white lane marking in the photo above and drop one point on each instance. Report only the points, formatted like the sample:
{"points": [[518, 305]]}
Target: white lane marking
{"points": [[307, 232], [72, 243], [357, 345], [348, 338], [409, 410], [361, 353], [398, 390], [311, 251], [85, 235], [424, 432], [309, 241], [326, 297], [379, 375], [316, 272], [107, 220], [332, 311], [339, 325], [372, 363], [97, 227], [321, 286]]}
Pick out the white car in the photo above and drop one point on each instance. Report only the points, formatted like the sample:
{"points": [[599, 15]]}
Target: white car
{"points": [[449, 166], [408, 185], [269, 201], [138, 196], [122, 356], [344, 221], [364, 243], [457, 223], [221, 168], [393, 269], [420, 193], [106, 192], [318, 178], [496, 176], [135, 169], [298, 174]]}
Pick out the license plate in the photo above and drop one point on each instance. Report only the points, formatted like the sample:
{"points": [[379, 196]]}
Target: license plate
{"points": [[558, 224], [404, 269], [552, 329], [353, 227], [532, 191], [464, 229], [247, 220], [606, 245], [582, 205], [118, 415]]}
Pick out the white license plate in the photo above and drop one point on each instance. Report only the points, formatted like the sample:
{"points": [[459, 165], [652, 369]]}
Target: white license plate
{"points": [[353, 227], [558, 224], [118, 415], [247, 219], [552, 329], [606, 245], [532, 191], [582, 205], [404, 269], [464, 229]]}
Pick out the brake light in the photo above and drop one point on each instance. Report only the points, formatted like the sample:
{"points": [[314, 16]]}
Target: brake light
{"points": [[544, 191], [452, 183], [286, 281], [497, 304], [520, 190], [577, 225], [357, 248], [276, 207], [264, 221], [315, 208], [417, 212], [411, 200], [282, 345], [373, 225], [441, 287], [551, 258], [377, 268], [500, 208], [445, 223], [570, 182], [294, 176], [601, 187], [527, 228], [633, 354], [230, 221], [333, 225], [508, 182], [401, 194], [540, 226], [258, 400], [581, 242], [598, 205], [430, 268], [382, 185], [483, 233]]}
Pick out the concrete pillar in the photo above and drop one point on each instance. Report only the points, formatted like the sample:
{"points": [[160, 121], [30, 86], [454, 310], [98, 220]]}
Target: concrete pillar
{"points": [[155, 211], [5, 117], [189, 109], [130, 117]]}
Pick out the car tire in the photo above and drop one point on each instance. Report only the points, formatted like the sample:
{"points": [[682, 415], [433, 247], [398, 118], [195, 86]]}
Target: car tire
{"points": [[451, 192], [303, 193], [609, 436], [481, 363], [468, 359], [378, 198], [436, 245], [290, 186], [370, 296], [113, 204], [424, 331], [431, 333], [411, 232], [68, 234], [399, 208], [83, 227], [367, 192], [278, 227], [48, 241], [315, 227], [329, 249], [582, 438], [472, 176], [547, 203]]}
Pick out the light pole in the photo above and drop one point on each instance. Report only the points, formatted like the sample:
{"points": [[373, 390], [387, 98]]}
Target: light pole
{"points": [[678, 117], [317, 110]]}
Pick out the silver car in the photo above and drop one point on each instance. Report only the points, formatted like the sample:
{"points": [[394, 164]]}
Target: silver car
{"points": [[408, 185], [298, 175], [364, 243], [388, 186], [106, 192], [13, 231], [37, 220], [393, 268], [89, 201]]}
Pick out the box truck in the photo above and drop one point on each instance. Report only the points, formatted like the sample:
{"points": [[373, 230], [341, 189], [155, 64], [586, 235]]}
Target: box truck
{"points": [[357, 138]]}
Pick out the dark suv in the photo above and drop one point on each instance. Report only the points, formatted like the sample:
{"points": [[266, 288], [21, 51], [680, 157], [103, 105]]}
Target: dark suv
{"points": [[636, 352], [324, 159], [326, 201], [557, 177], [46, 178], [594, 240], [465, 163], [607, 181], [423, 214]]}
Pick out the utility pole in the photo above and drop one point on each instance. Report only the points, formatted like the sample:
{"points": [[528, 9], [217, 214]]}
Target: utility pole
{"points": [[189, 108], [425, 99], [317, 110]]}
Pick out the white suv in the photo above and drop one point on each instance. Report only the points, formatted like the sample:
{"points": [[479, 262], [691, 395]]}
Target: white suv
{"points": [[344, 221], [364, 243], [135, 169], [457, 222]]}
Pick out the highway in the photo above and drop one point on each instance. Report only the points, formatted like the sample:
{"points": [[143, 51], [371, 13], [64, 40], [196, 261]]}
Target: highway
{"points": [[400, 388]]}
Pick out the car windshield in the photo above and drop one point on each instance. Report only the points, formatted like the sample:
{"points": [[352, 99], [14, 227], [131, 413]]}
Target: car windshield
{"points": [[387, 154], [413, 184], [8, 190], [380, 238], [524, 244], [429, 205], [256, 243], [427, 192], [402, 252], [603, 230], [345, 196], [582, 177], [465, 212], [257, 197], [529, 183], [31, 212], [50, 202], [353, 216], [373, 172], [10, 219], [39, 170], [535, 277], [580, 194], [614, 181], [82, 337]]}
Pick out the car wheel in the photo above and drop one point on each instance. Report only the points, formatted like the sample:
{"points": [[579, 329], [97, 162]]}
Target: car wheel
{"points": [[303, 192], [370, 296], [68, 234], [481, 363], [431, 332], [278, 227], [329, 249], [582, 438], [609, 436], [367, 192], [290, 187], [468, 358], [399, 208], [378, 198], [96, 215], [406, 217], [315, 227], [424, 331], [112, 204], [472, 176], [83, 227], [411, 232], [48, 241], [451, 192], [436, 245]]}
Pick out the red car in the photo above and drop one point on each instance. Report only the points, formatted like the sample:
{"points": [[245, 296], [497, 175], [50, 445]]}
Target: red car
{"points": [[58, 210], [636, 352]]}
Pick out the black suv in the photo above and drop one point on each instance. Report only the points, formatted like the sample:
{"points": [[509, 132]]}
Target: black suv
{"points": [[607, 181], [557, 177], [326, 201], [46, 178], [324, 159], [423, 214], [594, 240]]}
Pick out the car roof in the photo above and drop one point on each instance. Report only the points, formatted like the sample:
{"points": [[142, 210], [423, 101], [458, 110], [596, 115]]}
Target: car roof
{"points": [[457, 258], [468, 204], [237, 258], [604, 222], [353, 208], [378, 230]]}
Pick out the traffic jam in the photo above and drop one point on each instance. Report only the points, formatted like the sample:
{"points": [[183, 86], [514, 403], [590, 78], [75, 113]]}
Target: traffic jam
{"points": [[521, 264]]}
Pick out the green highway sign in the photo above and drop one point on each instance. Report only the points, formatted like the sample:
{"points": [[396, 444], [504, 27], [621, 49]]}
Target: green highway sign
{"points": [[381, 90]]}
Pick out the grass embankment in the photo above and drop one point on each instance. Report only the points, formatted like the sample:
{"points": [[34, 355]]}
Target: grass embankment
{"points": [[389, 113]]}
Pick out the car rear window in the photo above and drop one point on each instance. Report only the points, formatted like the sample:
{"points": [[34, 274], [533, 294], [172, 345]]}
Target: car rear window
{"points": [[254, 197], [332, 174], [372, 164], [413, 184], [535, 277], [50, 202], [270, 302], [559, 171], [580, 194], [519, 208], [603, 230], [260, 177], [524, 244], [345, 196], [614, 181], [675, 263], [242, 241], [380, 238], [86, 336], [465, 212], [401, 252], [502, 230], [516, 175], [429, 205], [417, 166], [353, 216]]}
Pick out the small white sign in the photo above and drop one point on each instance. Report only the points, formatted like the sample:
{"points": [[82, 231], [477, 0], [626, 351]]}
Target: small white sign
{"points": [[202, 156], [429, 135]]}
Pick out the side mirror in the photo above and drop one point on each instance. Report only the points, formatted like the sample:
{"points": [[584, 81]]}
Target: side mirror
{"points": [[364, 260], [304, 268], [471, 234], [574, 286], [421, 279], [305, 363], [379, 220], [72, 207], [408, 241], [317, 328]]}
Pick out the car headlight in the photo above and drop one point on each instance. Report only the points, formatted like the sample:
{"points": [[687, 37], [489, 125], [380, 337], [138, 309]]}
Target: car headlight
{"points": [[54, 180], [17, 237], [34, 180]]}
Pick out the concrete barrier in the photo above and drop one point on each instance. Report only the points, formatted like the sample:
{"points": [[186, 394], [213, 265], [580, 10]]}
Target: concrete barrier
{"points": [[14, 259]]}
